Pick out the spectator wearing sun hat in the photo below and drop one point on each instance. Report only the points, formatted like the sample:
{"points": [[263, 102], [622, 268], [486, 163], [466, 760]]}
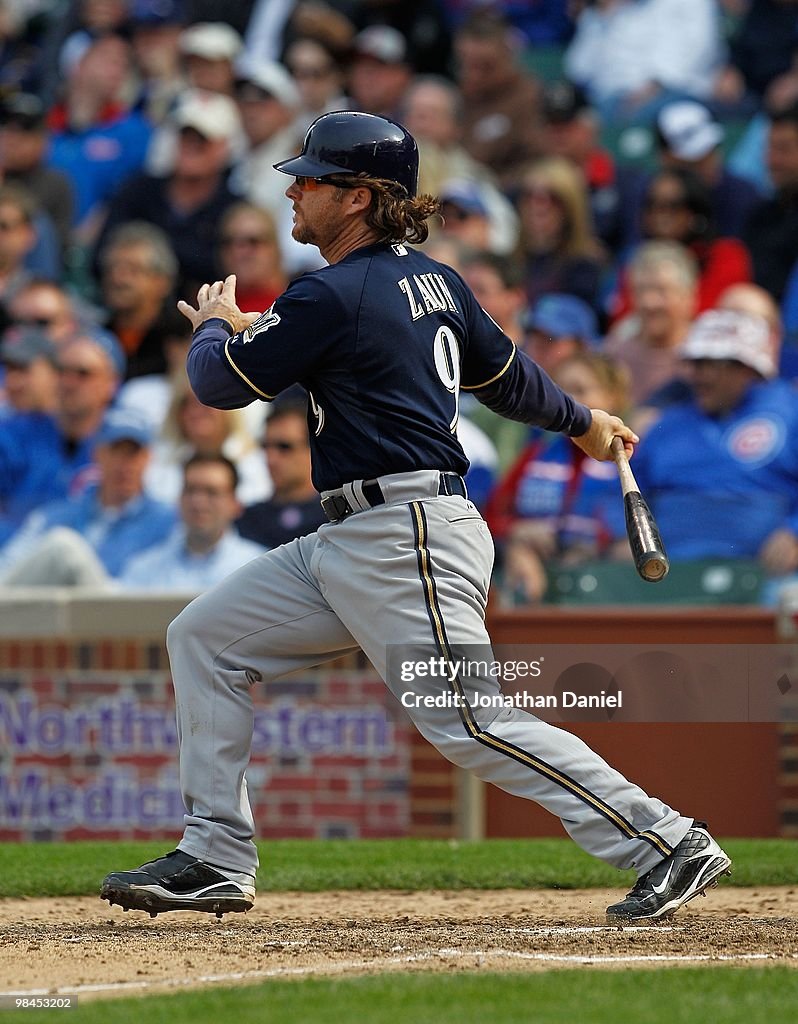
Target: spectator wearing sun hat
{"points": [[187, 202], [720, 470], [688, 136]]}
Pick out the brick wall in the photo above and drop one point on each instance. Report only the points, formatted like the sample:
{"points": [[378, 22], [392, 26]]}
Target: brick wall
{"points": [[788, 780], [88, 747]]}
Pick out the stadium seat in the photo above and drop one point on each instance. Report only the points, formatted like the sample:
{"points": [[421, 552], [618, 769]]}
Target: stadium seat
{"points": [[545, 62], [712, 582]]}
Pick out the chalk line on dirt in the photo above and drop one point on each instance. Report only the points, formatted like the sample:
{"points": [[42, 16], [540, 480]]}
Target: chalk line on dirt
{"points": [[359, 965]]}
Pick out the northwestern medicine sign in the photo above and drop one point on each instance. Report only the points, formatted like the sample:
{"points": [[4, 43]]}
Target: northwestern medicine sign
{"points": [[90, 754]]}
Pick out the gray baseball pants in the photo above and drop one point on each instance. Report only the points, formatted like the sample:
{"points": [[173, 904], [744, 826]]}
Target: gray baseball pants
{"points": [[412, 572]]}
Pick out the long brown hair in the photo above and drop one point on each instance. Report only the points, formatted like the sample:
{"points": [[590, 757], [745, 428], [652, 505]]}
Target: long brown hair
{"points": [[567, 184], [395, 216]]}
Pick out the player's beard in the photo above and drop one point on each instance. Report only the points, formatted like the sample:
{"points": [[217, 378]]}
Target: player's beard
{"points": [[303, 234], [317, 227]]}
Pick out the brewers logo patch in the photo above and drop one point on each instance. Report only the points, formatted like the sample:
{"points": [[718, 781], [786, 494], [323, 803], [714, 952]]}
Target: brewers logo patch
{"points": [[262, 324], [756, 441]]}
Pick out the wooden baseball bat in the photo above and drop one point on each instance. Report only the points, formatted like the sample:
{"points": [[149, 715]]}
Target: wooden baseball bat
{"points": [[648, 550]]}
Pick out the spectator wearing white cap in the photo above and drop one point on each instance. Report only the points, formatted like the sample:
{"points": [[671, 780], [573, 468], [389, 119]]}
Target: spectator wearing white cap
{"points": [[209, 50], [206, 56], [380, 72], [688, 136], [269, 100], [720, 470], [188, 202]]}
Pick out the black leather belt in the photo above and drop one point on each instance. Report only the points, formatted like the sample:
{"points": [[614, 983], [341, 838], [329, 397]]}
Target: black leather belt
{"points": [[336, 507]]}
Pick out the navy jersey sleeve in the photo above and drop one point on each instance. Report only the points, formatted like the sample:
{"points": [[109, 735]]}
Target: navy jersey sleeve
{"points": [[507, 381], [290, 341]]}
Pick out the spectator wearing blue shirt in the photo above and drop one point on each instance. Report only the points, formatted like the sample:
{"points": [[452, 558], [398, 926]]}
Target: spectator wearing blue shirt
{"points": [[720, 471], [45, 457], [88, 538], [96, 140], [204, 548]]}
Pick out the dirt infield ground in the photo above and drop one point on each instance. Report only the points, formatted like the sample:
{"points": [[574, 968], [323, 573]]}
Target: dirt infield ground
{"points": [[84, 946]]}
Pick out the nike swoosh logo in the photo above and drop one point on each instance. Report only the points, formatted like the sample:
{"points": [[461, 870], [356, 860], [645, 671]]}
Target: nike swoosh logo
{"points": [[660, 889]]}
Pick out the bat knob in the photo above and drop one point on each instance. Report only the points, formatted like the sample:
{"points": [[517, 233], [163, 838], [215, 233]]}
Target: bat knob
{"points": [[654, 569]]}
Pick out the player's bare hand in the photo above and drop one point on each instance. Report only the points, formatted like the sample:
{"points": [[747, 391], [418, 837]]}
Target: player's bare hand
{"points": [[596, 441], [217, 300]]}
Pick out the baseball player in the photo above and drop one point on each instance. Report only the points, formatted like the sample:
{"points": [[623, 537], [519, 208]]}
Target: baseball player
{"points": [[383, 339]]}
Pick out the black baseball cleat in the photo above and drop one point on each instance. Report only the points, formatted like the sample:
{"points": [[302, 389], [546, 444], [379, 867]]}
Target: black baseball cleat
{"points": [[695, 865], [179, 881]]}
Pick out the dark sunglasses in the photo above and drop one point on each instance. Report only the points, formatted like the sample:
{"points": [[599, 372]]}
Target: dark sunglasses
{"points": [[249, 240], [84, 372], [34, 321], [281, 446], [540, 193], [312, 73], [21, 123], [451, 211], [308, 184], [670, 205]]}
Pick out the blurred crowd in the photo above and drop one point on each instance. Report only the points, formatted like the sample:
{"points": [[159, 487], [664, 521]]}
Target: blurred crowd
{"points": [[619, 187]]}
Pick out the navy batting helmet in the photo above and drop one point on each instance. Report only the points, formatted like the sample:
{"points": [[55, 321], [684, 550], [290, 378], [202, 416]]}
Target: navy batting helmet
{"points": [[351, 142]]}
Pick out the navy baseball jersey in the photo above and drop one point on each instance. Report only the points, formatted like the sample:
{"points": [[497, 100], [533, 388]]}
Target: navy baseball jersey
{"points": [[383, 341]]}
